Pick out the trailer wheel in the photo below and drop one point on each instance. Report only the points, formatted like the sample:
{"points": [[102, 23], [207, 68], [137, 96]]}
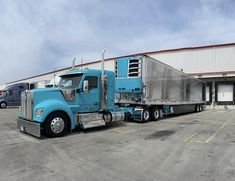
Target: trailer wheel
{"points": [[197, 108], [146, 117], [200, 108], [172, 110], [3, 105], [56, 125], [156, 113]]}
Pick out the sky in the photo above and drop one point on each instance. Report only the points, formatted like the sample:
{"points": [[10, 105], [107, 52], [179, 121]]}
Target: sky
{"points": [[40, 36]]}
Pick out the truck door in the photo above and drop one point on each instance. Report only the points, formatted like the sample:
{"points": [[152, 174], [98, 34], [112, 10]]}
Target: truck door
{"points": [[90, 101], [15, 96], [10, 97], [18, 91]]}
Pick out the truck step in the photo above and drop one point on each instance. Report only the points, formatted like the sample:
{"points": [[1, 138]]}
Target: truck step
{"points": [[91, 120]]}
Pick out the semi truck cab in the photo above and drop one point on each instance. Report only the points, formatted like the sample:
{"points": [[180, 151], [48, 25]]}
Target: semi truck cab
{"points": [[85, 98], [10, 95]]}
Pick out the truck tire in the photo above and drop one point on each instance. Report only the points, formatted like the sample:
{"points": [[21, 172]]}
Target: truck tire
{"points": [[197, 108], [172, 110], [56, 125], [156, 113], [3, 105], [146, 117], [200, 108], [107, 118]]}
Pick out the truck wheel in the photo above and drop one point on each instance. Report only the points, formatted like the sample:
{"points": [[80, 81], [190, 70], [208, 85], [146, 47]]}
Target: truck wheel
{"points": [[156, 114], [107, 118], [3, 105], [200, 108], [56, 125], [197, 108], [172, 110], [146, 117]]}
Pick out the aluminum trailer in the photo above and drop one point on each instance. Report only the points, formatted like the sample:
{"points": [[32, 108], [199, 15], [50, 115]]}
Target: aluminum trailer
{"points": [[155, 89]]}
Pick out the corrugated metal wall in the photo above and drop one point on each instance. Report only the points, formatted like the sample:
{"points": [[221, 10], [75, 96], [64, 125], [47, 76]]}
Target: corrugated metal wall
{"points": [[214, 59]]}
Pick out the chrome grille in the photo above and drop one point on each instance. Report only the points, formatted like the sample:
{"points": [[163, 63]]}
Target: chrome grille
{"points": [[23, 104], [26, 104]]}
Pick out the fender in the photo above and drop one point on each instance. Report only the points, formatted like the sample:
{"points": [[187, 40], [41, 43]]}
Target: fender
{"points": [[50, 106]]}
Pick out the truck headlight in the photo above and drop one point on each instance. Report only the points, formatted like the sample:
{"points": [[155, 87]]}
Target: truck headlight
{"points": [[39, 112]]}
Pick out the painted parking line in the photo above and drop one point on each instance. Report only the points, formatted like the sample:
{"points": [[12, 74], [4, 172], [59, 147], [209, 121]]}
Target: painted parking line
{"points": [[192, 137], [188, 139], [213, 135]]}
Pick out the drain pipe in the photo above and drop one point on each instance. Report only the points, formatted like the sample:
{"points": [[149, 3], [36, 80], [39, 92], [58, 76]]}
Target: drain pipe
{"points": [[103, 83]]}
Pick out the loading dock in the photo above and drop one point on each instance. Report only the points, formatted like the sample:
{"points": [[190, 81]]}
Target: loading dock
{"points": [[225, 93]]}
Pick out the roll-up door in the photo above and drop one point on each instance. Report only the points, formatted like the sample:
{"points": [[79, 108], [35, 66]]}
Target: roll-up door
{"points": [[225, 92]]}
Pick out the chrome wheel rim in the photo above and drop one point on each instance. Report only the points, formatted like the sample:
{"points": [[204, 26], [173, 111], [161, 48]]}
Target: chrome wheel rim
{"points": [[156, 114], [146, 115], [57, 125]]}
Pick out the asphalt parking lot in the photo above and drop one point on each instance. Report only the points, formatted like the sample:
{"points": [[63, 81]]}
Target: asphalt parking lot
{"points": [[198, 146]]}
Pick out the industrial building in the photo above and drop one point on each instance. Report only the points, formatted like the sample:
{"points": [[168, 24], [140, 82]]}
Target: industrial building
{"points": [[215, 64]]}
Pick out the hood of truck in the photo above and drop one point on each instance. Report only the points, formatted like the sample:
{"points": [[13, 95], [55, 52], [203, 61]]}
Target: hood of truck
{"points": [[45, 90], [65, 96], [40, 95], [50, 100]]}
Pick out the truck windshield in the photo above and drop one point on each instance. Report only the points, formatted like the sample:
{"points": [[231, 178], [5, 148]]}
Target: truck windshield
{"points": [[70, 81]]}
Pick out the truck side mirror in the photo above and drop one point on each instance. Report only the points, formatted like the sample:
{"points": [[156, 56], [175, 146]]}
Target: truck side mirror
{"points": [[85, 86]]}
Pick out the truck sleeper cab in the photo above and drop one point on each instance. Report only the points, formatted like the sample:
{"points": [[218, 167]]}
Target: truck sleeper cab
{"points": [[77, 102], [11, 95]]}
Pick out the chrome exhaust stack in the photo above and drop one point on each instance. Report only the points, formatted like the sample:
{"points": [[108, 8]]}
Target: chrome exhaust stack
{"points": [[73, 63], [102, 61], [103, 84]]}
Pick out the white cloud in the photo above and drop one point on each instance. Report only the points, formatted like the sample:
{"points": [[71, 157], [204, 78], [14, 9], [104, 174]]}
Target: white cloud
{"points": [[38, 36]]}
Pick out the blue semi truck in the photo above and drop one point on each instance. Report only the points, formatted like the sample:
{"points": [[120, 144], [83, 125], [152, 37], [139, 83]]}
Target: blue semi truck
{"points": [[140, 88], [11, 94]]}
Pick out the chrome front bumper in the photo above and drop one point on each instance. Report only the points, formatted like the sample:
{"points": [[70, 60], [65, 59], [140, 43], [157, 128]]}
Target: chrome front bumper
{"points": [[29, 127]]}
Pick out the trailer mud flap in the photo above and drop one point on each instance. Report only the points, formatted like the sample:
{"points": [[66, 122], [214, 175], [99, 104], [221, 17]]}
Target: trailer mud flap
{"points": [[138, 114]]}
